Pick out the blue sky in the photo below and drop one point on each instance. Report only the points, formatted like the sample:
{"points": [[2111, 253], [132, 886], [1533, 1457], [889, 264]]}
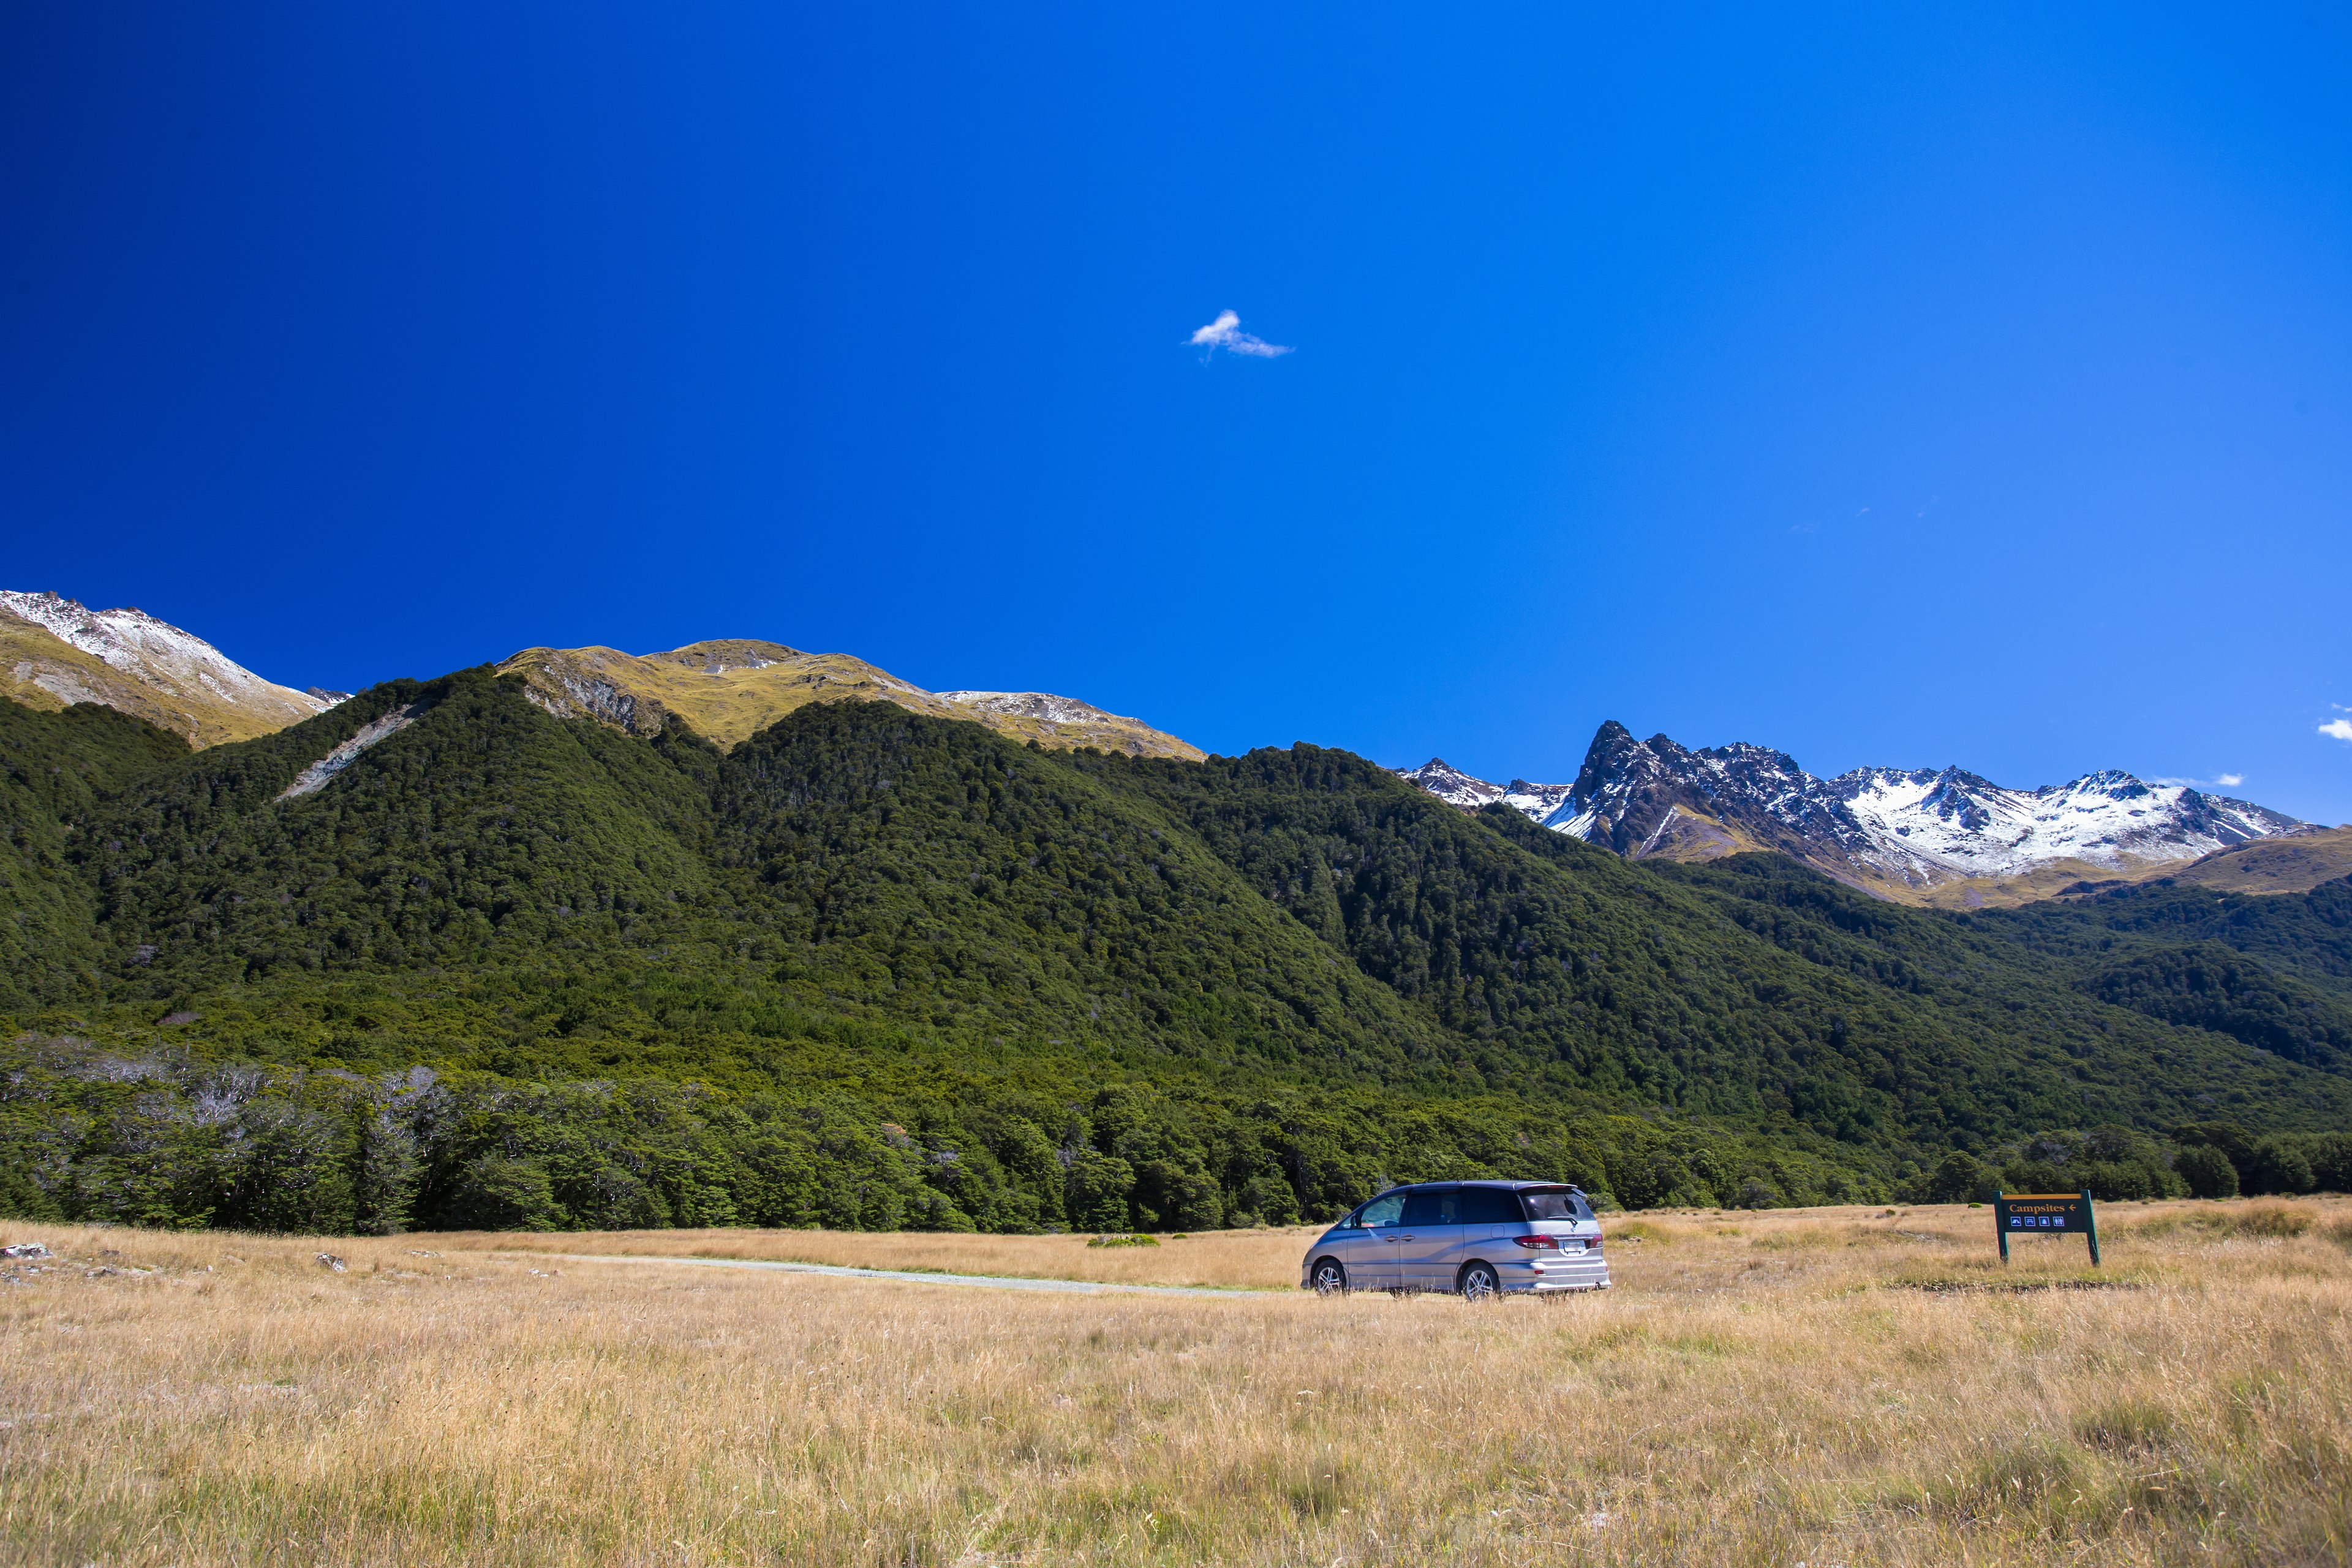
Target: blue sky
{"points": [[1889, 384]]}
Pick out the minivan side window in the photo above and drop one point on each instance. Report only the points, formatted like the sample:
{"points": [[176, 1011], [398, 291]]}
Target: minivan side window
{"points": [[1381, 1210], [1489, 1206], [1434, 1208]]}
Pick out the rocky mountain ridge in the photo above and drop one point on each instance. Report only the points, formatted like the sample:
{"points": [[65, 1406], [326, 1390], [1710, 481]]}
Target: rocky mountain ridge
{"points": [[56, 651], [1942, 836], [1452, 785], [728, 691], [1919, 836]]}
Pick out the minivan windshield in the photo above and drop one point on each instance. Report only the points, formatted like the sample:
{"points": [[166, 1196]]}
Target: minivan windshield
{"points": [[1557, 1203]]}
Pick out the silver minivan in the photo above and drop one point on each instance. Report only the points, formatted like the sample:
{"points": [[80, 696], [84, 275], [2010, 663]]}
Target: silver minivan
{"points": [[1479, 1239]]}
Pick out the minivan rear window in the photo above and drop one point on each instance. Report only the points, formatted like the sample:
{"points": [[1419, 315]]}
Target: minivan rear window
{"points": [[1558, 1202]]}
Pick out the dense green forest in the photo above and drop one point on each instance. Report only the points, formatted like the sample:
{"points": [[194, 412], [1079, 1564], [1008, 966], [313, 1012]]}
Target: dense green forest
{"points": [[871, 969]]}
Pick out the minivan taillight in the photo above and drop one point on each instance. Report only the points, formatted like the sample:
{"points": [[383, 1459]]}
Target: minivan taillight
{"points": [[1538, 1243]]}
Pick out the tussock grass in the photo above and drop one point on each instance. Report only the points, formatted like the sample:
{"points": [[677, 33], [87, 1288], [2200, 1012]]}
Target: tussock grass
{"points": [[2260, 1220], [1730, 1403], [1263, 1259]]}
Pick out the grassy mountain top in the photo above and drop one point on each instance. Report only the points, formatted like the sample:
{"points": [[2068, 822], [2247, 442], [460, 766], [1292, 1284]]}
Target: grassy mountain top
{"points": [[728, 689], [1693, 838], [2292, 864]]}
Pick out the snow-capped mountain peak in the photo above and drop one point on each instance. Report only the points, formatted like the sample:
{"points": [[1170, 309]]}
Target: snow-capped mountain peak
{"points": [[1451, 784], [1894, 831], [1956, 823], [64, 652], [1538, 801]]}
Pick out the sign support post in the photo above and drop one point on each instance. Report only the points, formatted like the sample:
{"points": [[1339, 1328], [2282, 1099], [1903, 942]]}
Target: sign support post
{"points": [[2045, 1214]]}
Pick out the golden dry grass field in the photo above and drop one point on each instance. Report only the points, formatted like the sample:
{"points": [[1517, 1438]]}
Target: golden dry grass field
{"points": [[1829, 1386]]}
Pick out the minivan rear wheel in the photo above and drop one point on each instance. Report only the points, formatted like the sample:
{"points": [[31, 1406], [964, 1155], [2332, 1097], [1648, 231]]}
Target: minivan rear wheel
{"points": [[1480, 1283], [1330, 1279]]}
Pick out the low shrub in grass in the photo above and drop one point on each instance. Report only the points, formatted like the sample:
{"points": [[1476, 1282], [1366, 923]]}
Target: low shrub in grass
{"points": [[2125, 1426]]}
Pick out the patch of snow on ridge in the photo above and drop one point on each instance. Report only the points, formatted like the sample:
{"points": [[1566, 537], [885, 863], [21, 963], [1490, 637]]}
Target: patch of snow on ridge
{"points": [[1451, 784], [1036, 705], [321, 773], [1584, 824], [1537, 802]]}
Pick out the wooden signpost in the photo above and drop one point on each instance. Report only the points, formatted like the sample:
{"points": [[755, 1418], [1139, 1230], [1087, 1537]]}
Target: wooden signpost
{"points": [[2045, 1214]]}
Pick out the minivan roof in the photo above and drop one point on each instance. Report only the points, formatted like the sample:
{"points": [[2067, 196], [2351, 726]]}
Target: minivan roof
{"points": [[1485, 1181]]}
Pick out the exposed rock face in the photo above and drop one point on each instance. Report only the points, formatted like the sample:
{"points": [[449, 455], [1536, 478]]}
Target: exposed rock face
{"points": [[55, 651], [1065, 722], [320, 774], [1942, 836]]}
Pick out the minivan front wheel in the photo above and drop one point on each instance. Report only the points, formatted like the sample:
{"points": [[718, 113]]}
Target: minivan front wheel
{"points": [[1480, 1283], [1330, 1279]]}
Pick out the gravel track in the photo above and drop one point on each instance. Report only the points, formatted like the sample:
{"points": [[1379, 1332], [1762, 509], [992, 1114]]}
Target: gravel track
{"points": [[912, 1276]]}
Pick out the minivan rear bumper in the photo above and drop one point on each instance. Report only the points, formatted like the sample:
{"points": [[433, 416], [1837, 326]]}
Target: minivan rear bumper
{"points": [[1588, 1271]]}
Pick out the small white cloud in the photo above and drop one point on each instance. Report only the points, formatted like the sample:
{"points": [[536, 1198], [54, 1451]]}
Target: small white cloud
{"points": [[1225, 332], [2231, 781], [2339, 728]]}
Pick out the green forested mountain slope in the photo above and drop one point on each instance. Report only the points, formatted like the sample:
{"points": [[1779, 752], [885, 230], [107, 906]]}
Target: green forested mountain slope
{"points": [[2310, 934], [483, 826], [935, 871], [1752, 989], [872, 967], [2271, 970], [55, 768]]}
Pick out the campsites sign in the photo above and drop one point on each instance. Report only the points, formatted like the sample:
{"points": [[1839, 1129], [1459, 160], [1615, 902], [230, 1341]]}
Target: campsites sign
{"points": [[2045, 1214]]}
